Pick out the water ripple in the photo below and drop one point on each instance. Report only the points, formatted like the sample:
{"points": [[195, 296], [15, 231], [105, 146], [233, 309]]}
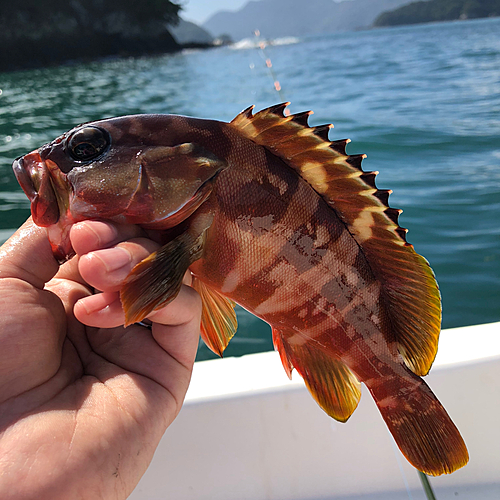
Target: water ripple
{"points": [[422, 101]]}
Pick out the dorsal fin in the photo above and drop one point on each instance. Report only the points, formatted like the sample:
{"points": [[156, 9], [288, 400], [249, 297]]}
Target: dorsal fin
{"points": [[411, 291]]}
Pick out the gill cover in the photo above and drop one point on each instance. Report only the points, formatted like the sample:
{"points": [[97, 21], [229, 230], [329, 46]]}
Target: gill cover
{"points": [[154, 186]]}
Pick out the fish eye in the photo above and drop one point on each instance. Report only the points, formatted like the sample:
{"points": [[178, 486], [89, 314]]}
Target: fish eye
{"points": [[88, 143]]}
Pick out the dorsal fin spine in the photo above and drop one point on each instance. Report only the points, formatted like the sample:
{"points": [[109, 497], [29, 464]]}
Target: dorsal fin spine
{"points": [[383, 196], [369, 178], [302, 118], [248, 112], [393, 214], [278, 109], [355, 161], [340, 146], [322, 131]]}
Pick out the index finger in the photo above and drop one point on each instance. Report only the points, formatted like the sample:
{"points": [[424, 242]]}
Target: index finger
{"points": [[27, 255], [91, 235]]}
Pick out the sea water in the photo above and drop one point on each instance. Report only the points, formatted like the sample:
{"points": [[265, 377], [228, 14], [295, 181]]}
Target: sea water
{"points": [[423, 102]]}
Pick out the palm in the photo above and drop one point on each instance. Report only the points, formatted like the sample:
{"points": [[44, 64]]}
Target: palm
{"points": [[83, 407]]}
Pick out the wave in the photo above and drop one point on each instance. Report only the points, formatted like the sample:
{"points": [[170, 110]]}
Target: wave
{"points": [[256, 43]]}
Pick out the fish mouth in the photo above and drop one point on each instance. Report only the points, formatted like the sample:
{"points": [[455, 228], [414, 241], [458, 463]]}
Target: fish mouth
{"points": [[24, 179], [34, 177], [48, 190]]}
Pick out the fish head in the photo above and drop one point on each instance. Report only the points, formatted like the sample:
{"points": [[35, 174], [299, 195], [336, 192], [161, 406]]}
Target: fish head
{"points": [[114, 170]]}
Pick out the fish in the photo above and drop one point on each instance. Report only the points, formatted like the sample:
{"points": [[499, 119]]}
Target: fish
{"points": [[266, 212]]}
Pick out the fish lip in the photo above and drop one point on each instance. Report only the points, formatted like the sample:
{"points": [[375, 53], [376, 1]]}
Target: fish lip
{"points": [[40, 186], [40, 183], [24, 179]]}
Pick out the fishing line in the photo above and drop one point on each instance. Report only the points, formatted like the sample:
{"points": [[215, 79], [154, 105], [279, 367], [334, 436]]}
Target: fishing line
{"points": [[426, 485], [400, 465], [277, 86]]}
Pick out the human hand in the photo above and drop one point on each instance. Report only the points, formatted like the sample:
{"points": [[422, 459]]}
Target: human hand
{"points": [[84, 401]]}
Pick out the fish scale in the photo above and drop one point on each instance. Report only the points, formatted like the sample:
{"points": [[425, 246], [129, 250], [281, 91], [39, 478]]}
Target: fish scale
{"points": [[268, 213]]}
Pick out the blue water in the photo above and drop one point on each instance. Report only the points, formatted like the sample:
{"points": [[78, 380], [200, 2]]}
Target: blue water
{"points": [[423, 102]]}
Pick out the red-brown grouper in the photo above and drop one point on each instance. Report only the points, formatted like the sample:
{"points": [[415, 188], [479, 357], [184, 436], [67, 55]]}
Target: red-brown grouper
{"points": [[266, 212]]}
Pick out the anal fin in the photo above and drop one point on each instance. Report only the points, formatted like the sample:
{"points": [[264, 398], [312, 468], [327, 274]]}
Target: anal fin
{"points": [[331, 383], [279, 346], [218, 318]]}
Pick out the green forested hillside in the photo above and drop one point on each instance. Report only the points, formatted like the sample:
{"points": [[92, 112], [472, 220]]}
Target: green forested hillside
{"points": [[439, 10], [41, 32]]}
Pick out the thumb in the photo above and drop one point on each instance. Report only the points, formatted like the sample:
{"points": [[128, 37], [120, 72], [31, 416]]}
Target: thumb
{"points": [[27, 255]]}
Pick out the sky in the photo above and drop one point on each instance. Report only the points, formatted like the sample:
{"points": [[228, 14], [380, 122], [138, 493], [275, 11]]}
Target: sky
{"points": [[199, 11]]}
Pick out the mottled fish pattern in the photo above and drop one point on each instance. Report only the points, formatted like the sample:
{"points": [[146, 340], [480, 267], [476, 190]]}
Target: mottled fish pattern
{"points": [[268, 213]]}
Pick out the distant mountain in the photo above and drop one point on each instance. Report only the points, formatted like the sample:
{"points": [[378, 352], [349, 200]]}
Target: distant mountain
{"points": [[187, 32], [439, 10], [278, 18]]}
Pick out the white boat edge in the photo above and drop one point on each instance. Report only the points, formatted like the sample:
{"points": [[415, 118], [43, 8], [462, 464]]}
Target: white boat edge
{"points": [[247, 432]]}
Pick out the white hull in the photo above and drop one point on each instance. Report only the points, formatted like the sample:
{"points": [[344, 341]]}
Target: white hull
{"points": [[247, 432]]}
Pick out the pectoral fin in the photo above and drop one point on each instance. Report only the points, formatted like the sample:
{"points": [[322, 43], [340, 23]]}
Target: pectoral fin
{"points": [[218, 318], [157, 280]]}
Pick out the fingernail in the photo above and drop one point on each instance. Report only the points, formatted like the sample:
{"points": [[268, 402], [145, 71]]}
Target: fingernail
{"points": [[113, 258], [102, 237]]}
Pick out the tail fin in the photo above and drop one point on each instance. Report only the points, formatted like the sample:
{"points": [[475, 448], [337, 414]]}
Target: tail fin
{"points": [[422, 428]]}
